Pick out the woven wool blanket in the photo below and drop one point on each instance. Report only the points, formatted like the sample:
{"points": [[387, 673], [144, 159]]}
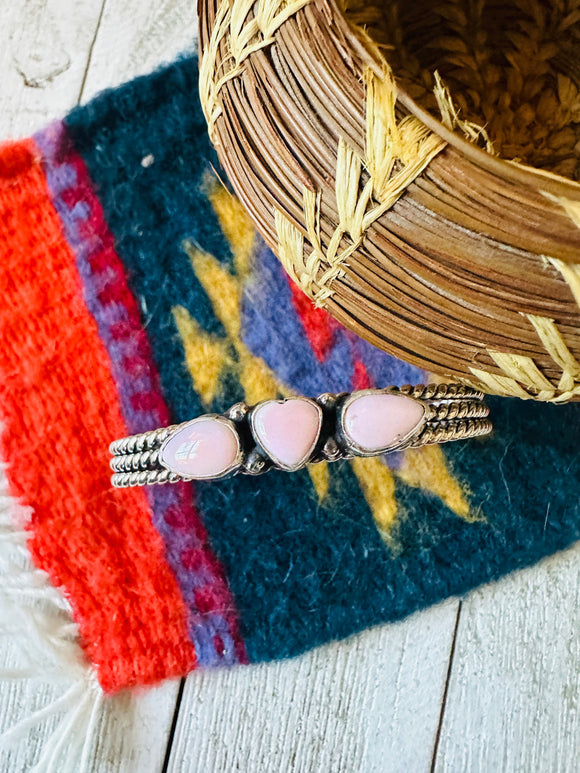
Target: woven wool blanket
{"points": [[136, 293]]}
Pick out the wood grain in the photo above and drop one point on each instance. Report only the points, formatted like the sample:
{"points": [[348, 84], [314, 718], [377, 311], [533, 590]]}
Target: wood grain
{"points": [[44, 51], [368, 704], [513, 703], [131, 738], [137, 36]]}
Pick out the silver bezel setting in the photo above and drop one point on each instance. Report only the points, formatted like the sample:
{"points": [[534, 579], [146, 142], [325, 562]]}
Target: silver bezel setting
{"points": [[230, 470], [354, 449], [277, 463], [450, 412]]}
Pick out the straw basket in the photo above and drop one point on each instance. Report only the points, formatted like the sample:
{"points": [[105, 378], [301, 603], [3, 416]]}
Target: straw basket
{"points": [[413, 165]]}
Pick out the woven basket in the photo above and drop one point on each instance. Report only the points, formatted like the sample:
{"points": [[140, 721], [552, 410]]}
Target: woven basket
{"points": [[438, 226]]}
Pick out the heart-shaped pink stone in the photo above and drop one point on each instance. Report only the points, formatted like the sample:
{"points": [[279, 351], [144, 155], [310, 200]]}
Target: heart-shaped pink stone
{"points": [[288, 430], [206, 447], [377, 421]]}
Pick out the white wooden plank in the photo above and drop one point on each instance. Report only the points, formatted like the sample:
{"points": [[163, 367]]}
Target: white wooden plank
{"points": [[370, 704], [44, 49], [136, 36], [137, 741], [132, 736], [17, 701], [513, 703]]}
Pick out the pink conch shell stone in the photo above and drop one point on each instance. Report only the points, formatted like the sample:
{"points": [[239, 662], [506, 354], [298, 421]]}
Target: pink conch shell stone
{"points": [[204, 448], [288, 430], [377, 421]]}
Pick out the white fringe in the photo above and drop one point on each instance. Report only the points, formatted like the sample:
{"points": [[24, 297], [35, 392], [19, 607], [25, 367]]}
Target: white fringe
{"points": [[36, 618]]}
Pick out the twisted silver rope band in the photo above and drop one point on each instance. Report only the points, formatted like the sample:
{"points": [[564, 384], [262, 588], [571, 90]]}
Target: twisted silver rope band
{"points": [[452, 412]]}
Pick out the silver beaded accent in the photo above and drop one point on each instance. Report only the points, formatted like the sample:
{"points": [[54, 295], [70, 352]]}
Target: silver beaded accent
{"points": [[452, 412]]}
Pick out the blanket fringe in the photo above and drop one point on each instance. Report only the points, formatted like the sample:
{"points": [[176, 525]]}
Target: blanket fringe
{"points": [[38, 633]]}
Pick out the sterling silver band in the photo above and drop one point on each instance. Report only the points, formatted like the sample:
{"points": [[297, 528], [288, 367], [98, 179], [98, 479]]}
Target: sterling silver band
{"points": [[448, 412]]}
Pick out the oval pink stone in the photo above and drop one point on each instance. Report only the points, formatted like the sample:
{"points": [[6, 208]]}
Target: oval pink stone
{"points": [[204, 448], [377, 421], [288, 430]]}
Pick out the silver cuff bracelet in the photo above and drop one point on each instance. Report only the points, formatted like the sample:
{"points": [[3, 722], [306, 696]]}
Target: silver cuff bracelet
{"points": [[291, 433]]}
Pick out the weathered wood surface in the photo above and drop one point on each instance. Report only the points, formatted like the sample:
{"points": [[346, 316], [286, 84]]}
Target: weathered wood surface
{"points": [[513, 703], [499, 692], [368, 704], [135, 37], [44, 52]]}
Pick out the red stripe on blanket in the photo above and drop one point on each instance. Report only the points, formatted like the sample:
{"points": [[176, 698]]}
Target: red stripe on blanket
{"points": [[59, 409], [318, 325]]}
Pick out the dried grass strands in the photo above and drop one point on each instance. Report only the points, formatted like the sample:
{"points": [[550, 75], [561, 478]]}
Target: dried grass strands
{"points": [[423, 243]]}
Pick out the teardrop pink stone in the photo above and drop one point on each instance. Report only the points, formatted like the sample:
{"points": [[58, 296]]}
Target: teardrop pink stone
{"points": [[288, 430], [378, 421], [204, 448]]}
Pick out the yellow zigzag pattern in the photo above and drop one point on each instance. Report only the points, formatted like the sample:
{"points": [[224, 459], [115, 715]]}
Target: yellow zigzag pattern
{"points": [[203, 350], [207, 356]]}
